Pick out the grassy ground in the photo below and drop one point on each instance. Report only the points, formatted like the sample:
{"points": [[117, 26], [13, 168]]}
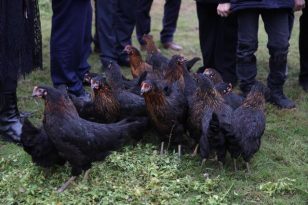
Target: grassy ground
{"points": [[140, 176]]}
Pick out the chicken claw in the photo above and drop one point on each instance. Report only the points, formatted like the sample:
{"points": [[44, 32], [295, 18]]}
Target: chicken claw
{"points": [[248, 167], [86, 175], [195, 151], [203, 162], [66, 184], [234, 165], [162, 148]]}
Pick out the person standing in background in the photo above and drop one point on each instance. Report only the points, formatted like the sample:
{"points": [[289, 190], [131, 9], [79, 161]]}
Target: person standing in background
{"points": [[115, 22], [171, 14], [70, 44], [20, 53], [275, 15], [303, 49], [218, 38]]}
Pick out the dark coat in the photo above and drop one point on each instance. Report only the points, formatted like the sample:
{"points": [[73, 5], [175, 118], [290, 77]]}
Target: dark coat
{"points": [[212, 1], [20, 38], [237, 5]]}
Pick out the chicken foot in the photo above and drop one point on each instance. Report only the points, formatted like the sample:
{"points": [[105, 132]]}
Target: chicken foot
{"points": [[86, 175], [66, 184], [248, 167], [195, 151], [162, 148], [234, 165], [203, 162]]}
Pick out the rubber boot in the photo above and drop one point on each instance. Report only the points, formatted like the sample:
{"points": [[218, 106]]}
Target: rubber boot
{"points": [[277, 78], [10, 123]]}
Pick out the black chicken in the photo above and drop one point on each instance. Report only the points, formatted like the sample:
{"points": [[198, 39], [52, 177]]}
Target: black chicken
{"points": [[214, 75], [215, 118], [248, 122], [177, 71], [154, 56], [231, 98], [167, 112], [157, 59], [38, 145], [78, 141]]}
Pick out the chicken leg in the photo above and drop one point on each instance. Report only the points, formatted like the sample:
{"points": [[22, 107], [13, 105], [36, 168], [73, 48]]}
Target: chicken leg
{"points": [[195, 151], [221, 165], [66, 184], [248, 167], [162, 148], [203, 162], [86, 175], [234, 165]]}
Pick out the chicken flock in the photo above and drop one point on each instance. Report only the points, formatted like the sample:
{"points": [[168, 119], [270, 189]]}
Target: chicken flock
{"points": [[192, 113]]}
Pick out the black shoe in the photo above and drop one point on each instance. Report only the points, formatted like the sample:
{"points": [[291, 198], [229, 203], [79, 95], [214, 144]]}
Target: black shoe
{"points": [[124, 61], [280, 100], [304, 85], [10, 121]]}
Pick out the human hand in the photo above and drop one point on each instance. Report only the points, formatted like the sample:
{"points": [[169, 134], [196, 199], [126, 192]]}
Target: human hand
{"points": [[223, 9], [299, 5]]}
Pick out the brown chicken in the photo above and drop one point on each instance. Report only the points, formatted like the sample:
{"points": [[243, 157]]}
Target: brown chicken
{"points": [[78, 141], [210, 119], [177, 71], [137, 65], [168, 113], [154, 56], [248, 123], [214, 75]]}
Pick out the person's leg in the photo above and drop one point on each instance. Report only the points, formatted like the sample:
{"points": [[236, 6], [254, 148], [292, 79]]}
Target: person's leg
{"points": [[84, 66], [95, 38], [106, 13], [277, 27], [171, 14], [67, 37], [246, 68], [225, 52], [208, 18], [125, 23], [143, 19], [303, 49], [10, 125]]}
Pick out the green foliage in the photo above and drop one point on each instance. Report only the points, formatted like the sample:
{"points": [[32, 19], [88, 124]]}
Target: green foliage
{"points": [[282, 186], [138, 175]]}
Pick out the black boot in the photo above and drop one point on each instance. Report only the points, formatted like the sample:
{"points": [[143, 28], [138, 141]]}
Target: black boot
{"points": [[10, 124], [278, 76], [279, 99]]}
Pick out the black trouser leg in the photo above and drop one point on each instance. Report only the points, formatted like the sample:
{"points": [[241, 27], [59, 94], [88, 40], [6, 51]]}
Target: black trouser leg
{"points": [[106, 30], [276, 24], [143, 19], [171, 14], [225, 54], [303, 47], [218, 39], [208, 18], [125, 23], [248, 24]]}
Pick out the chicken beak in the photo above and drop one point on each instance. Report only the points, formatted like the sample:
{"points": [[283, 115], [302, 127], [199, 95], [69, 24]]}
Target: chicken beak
{"points": [[142, 91]]}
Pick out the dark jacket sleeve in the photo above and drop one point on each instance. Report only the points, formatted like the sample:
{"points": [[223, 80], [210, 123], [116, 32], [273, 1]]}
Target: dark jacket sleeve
{"points": [[237, 5], [213, 1]]}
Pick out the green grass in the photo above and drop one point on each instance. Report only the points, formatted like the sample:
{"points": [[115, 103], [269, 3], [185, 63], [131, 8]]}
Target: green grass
{"points": [[138, 175]]}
